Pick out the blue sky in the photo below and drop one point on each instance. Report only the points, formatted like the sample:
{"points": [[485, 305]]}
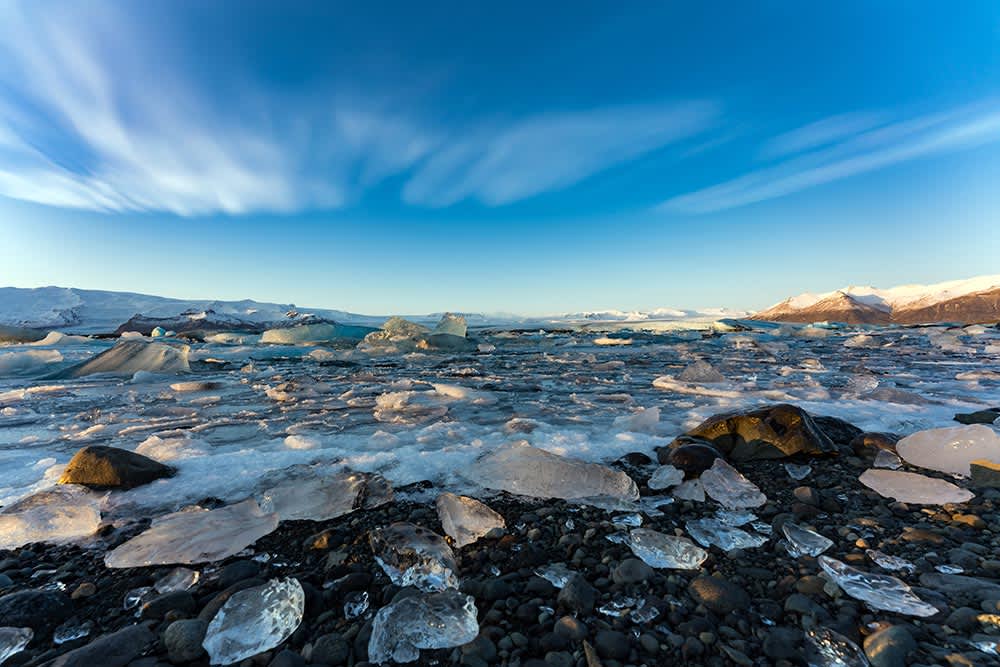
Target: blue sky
{"points": [[526, 157]]}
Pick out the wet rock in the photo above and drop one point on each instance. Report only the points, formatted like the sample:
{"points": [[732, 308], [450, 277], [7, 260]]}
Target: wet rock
{"points": [[631, 571], [612, 644], [180, 601], [978, 417], [578, 595], [889, 647], [718, 595], [985, 473], [571, 629], [783, 643], [183, 639], [39, 610], [113, 650], [688, 455], [870, 443], [767, 433], [97, 466]]}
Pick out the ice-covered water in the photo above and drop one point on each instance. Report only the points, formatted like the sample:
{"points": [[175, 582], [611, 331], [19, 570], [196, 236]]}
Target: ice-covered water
{"points": [[257, 408]]}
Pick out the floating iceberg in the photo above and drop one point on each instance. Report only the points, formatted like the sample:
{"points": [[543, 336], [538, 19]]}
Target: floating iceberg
{"points": [[65, 513], [701, 372], [28, 362], [910, 487], [195, 535], [725, 485], [316, 493], [306, 334], [950, 449], [709, 532], [255, 620], [665, 477], [409, 407], [804, 542], [518, 467], [130, 356], [452, 325], [879, 591], [413, 556], [465, 520], [426, 620], [665, 551]]}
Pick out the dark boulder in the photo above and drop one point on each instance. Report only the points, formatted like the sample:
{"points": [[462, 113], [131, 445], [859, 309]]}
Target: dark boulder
{"points": [[690, 455], [869, 443], [39, 610], [109, 467], [978, 417]]}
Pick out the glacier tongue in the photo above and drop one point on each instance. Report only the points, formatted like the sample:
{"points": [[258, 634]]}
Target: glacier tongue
{"points": [[424, 620], [518, 467]]}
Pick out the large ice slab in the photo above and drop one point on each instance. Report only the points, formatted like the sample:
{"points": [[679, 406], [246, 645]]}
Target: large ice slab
{"points": [[130, 356], [725, 485], [879, 591], [518, 467], [255, 620], [910, 487], [950, 449], [195, 535], [465, 519], [414, 556], [425, 620], [657, 549], [65, 513], [314, 333], [319, 493]]}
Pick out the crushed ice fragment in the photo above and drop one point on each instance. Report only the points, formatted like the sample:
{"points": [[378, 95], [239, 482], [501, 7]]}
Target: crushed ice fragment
{"points": [[804, 542], [645, 420], [665, 551], [735, 517], [518, 467], [701, 371], [178, 579], [255, 620], [137, 597], [644, 613], [618, 606], [195, 536], [690, 490], [887, 459], [556, 574], [422, 621], [617, 538], [887, 562], [798, 472], [665, 477], [712, 532], [414, 556], [910, 487], [72, 630], [949, 569], [65, 513], [355, 604], [13, 640], [725, 485], [826, 648], [950, 449], [627, 520], [879, 591], [465, 519]]}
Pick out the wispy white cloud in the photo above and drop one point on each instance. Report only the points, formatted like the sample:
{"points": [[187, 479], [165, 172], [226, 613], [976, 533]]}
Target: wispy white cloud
{"points": [[862, 152], [820, 133], [94, 114]]}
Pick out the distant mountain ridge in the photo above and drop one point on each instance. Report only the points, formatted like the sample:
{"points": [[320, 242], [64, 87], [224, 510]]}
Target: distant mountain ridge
{"points": [[974, 300]]}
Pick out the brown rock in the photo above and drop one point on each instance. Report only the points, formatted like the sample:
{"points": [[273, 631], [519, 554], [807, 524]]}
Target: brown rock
{"points": [[110, 467]]}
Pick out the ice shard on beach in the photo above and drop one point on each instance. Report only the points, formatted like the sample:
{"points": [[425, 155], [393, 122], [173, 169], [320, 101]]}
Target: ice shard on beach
{"points": [[950, 449], [725, 485], [465, 519], [879, 591], [712, 532], [413, 556], [827, 648], [518, 467], [910, 487], [13, 640], [665, 477], [315, 493], [195, 535], [62, 514], [422, 621], [255, 620], [665, 551], [804, 542]]}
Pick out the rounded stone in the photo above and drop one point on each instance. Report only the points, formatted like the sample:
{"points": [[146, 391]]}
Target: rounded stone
{"points": [[718, 595], [693, 457], [183, 639], [631, 571]]}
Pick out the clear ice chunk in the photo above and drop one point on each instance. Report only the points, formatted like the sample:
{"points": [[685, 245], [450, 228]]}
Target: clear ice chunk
{"points": [[826, 648], [195, 535], [556, 574], [699, 372], [309, 492], [413, 556], [255, 620], [465, 519], [949, 569], [178, 579], [665, 477], [618, 606], [804, 542], [632, 520], [910, 487], [137, 597], [67, 512], [725, 485], [798, 472], [451, 324], [644, 613], [888, 460], [887, 562], [690, 490], [950, 449], [13, 640], [665, 551], [72, 630], [879, 591], [422, 621], [735, 517], [518, 467], [712, 532], [355, 604]]}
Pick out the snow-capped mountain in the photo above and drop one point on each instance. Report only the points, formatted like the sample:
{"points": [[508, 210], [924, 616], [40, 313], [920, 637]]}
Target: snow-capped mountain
{"points": [[972, 300]]}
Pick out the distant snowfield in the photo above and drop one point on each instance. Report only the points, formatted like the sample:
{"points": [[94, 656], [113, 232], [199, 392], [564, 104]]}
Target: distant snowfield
{"points": [[97, 311], [901, 296]]}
